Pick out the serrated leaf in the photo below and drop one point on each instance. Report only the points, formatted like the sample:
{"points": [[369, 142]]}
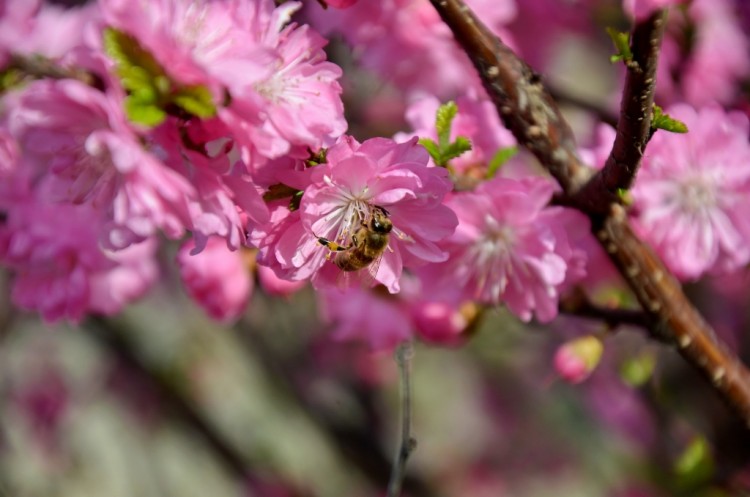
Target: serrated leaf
{"points": [[144, 113], [432, 148], [443, 122], [501, 157], [455, 149], [195, 100], [621, 41]]}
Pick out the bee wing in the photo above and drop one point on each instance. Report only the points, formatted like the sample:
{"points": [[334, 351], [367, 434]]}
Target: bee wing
{"points": [[370, 273]]}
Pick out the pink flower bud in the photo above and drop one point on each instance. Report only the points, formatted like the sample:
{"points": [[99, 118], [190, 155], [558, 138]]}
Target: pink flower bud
{"points": [[440, 322], [577, 359], [217, 279]]}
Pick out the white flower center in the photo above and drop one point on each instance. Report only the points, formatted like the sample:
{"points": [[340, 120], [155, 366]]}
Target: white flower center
{"points": [[696, 195]]}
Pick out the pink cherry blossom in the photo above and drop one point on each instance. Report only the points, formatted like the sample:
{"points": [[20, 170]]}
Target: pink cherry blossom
{"points": [[34, 27], [510, 248], [226, 196], [58, 268], [692, 192], [641, 9], [406, 42], [358, 178], [217, 279], [274, 89], [76, 140], [698, 76]]}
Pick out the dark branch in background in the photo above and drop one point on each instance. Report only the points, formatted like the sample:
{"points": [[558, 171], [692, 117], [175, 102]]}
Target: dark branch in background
{"points": [[578, 305], [407, 443], [531, 114], [634, 126], [567, 98], [111, 338]]}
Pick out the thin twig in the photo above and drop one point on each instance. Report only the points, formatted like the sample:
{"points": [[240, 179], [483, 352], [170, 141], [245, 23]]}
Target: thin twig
{"points": [[579, 305], [598, 110], [532, 115], [404, 353]]}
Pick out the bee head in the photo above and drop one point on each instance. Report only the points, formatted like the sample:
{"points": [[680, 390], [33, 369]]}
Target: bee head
{"points": [[380, 222]]}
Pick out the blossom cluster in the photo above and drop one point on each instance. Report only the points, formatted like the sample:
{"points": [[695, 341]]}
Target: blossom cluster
{"points": [[221, 124]]}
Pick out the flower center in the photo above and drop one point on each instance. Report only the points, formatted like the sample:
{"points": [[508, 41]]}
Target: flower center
{"points": [[696, 195]]}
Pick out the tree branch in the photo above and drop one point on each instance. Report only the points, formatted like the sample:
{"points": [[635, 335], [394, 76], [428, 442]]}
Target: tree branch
{"points": [[578, 305], [530, 113], [634, 125]]}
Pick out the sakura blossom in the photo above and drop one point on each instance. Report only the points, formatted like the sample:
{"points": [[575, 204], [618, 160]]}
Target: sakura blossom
{"points": [[58, 267], [691, 194], [269, 78], [76, 140], [704, 77], [343, 192], [643, 8], [428, 61], [510, 248]]}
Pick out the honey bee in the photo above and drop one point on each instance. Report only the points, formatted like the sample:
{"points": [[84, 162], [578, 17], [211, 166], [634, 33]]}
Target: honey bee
{"points": [[367, 246]]}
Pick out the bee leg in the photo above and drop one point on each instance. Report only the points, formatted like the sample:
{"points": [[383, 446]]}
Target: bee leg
{"points": [[333, 246]]}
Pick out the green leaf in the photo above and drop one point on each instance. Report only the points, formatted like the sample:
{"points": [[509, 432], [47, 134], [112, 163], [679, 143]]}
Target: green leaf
{"points": [[455, 149], [144, 113], [638, 370], [444, 121], [432, 148], [695, 464], [195, 100], [621, 41], [501, 157], [660, 120]]}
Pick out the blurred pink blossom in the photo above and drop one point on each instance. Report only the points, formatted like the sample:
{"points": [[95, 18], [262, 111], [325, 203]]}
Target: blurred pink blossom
{"points": [[34, 27], [641, 9], [58, 268], [406, 42], [217, 279], [75, 139], [359, 314], [706, 66], [273, 285], [693, 191]]}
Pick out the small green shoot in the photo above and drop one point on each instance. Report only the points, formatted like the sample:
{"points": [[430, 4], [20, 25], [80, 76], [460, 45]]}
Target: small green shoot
{"points": [[660, 120], [621, 41], [499, 159], [444, 150]]}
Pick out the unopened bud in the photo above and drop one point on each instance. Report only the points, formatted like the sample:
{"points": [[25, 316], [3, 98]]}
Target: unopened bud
{"points": [[576, 359]]}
